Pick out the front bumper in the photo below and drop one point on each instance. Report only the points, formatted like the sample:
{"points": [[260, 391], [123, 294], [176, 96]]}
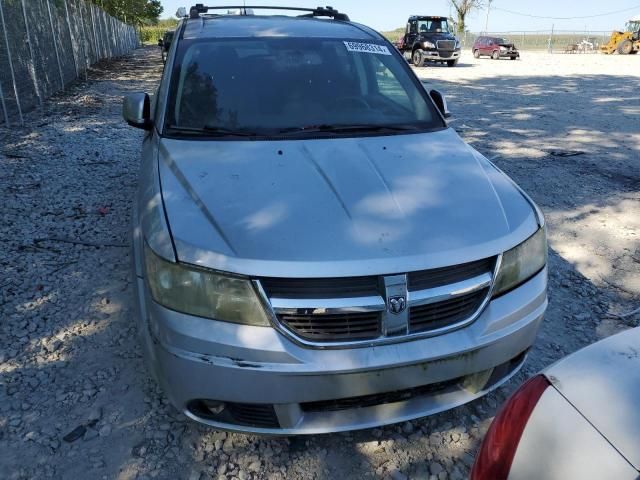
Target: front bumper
{"points": [[311, 391], [441, 55], [509, 54]]}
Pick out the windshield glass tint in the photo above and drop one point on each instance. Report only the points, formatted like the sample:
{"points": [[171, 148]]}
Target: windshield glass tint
{"points": [[433, 26], [273, 84]]}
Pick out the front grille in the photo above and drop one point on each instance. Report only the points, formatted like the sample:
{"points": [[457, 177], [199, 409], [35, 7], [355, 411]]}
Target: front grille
{"points": [[446, 44], [262, 416], [440, 277], [242, 414], [320, 287], [334, 328], [379, 398], [330, 310], [425, 318]]}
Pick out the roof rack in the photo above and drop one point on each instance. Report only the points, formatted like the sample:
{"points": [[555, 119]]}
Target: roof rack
{"points": [[330, 12]]}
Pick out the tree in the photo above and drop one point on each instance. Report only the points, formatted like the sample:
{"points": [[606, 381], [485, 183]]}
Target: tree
{"points": [[463, 7], [134, 12]]}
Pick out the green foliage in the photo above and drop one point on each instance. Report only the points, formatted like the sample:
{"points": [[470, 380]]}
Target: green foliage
{"points": [[168, 23], [394, 35], [133, 12], [152, 34]]}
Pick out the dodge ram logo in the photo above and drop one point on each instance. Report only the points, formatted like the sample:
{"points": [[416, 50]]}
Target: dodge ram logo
{"points": [[397, 305]]}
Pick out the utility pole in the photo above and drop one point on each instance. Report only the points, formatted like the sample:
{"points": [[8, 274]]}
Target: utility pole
{"points": [[486, 25]]}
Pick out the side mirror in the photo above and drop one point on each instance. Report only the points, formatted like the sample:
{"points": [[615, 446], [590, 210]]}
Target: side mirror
{"points": [[441, 103], [160, 42], [136, 110]]}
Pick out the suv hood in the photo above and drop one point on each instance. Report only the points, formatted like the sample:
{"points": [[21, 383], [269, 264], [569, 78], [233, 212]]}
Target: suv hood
{"points": [[602, 382], [338, 207]]}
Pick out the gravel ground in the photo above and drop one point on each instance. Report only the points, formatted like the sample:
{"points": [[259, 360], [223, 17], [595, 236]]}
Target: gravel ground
{"points": [[70, 365]]}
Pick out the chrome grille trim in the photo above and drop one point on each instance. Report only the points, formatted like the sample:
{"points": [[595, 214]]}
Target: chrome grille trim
{"points": [[327, 306], [439, 294], [324, 306], [446, 44]]}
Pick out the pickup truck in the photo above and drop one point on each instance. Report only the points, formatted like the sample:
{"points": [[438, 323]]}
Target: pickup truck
{"points": [[429, 39]]}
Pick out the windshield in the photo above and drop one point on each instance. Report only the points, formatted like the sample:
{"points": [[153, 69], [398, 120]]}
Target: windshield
{"points": [[433, 26], [281, 85], [501, 41]]}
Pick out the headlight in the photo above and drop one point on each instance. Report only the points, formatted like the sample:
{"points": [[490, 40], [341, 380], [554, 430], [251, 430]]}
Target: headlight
{"points": [[428, 45], [203, 293], [522, 263], [504, 49], [457, 44]]}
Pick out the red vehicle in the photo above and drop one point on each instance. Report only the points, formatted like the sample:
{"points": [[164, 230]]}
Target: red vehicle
{"points": [[494, 47]]}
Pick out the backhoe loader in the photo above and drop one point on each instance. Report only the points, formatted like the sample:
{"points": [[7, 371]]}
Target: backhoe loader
{"points": [[627, 42]]}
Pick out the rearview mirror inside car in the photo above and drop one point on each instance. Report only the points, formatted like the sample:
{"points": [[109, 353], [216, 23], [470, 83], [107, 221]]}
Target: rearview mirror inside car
{"points": [[136, 110], [441, 102]]}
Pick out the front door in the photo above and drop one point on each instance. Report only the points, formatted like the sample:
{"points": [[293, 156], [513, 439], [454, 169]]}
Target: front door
{"points": [[412, 34]]}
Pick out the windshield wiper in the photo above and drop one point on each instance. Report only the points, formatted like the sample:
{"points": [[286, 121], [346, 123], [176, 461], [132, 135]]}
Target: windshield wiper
{"points": [[211, 131], [327, 128]]}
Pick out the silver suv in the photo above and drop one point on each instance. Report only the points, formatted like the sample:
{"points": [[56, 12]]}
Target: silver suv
{"points": [[315, 249]]}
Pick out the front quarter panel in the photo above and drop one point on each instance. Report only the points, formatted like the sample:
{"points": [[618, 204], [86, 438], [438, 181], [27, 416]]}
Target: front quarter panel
{"points": [[151, 226], [559, 444]]}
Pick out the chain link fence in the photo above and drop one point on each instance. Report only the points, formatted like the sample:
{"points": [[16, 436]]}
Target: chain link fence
{"points": [[47, 44], [555, 41]]}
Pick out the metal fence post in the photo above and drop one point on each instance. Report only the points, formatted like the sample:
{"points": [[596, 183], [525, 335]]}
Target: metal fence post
{"points": [[32, 65], [55, 45], [13, 77], [4, 108], [71, 38], [85, 40], [95, 35]]}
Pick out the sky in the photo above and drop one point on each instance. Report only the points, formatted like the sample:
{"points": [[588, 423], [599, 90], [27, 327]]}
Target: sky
{"points": [[379, 15]]}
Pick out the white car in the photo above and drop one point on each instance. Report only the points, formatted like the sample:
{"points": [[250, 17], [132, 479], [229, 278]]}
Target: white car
{"points": [[579, 419]]}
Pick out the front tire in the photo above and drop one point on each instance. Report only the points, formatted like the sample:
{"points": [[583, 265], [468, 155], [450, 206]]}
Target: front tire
{"points": [[496, 55], [418, 58], [625, 47], [452, 63], [476, 54], [514, 58]]}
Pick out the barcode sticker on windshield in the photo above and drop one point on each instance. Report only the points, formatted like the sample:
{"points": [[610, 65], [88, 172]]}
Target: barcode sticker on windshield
{"points": [[367, 48]]}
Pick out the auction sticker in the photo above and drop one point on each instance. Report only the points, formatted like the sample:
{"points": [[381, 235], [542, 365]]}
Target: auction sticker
{"points": [[367, 48]]}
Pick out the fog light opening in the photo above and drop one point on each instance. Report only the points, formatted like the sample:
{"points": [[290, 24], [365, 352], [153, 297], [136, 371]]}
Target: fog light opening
{"points": [[216, 408]]}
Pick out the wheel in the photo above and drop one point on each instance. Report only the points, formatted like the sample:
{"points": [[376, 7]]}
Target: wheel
{"points": [[452, 63], [418, 58], [514, 58], [476, 54], [625, 47], [496, 55]]}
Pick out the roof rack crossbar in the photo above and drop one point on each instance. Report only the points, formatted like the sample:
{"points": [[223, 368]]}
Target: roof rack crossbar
{"points": [[330, 12]]}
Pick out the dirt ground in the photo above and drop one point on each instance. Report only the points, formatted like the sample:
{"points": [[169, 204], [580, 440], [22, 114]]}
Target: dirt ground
{"points": [[565, 127]]}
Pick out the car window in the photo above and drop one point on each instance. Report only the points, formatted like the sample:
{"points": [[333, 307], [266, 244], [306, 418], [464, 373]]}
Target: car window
{"points": [[388, 86], [273, 84], [433, 26]]}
